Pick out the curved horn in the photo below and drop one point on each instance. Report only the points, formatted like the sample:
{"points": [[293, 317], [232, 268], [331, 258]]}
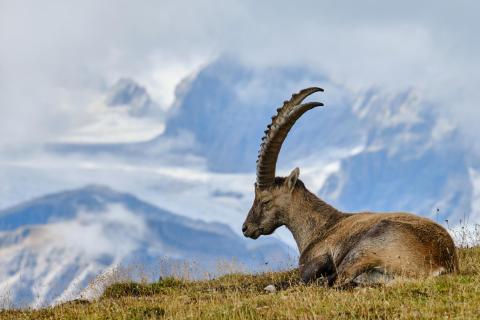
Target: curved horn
{"points": [[277, 131]]}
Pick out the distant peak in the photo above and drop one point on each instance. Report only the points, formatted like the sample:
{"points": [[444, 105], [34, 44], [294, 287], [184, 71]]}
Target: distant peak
{"points": [[129, 94]]}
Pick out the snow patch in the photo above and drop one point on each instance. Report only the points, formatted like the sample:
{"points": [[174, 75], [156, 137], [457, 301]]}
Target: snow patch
{"points": [[68, 250], [115, 125]]}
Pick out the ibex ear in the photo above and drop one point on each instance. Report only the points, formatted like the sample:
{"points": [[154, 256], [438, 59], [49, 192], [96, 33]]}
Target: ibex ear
{"points": [[292, 179]]}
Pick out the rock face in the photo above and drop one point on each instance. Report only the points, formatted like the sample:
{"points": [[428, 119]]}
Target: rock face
{"points": [[383, 151], [126, 93], [52, 247]]}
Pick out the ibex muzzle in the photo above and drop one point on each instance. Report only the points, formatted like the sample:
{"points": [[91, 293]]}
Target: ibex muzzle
{"points": [[343, 248]]}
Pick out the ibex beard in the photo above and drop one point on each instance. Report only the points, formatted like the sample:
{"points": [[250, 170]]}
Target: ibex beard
{"points": [[342, 248]]}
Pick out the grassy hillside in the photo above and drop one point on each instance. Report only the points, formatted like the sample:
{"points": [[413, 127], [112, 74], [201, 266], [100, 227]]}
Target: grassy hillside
{"points": [[240, 296]]}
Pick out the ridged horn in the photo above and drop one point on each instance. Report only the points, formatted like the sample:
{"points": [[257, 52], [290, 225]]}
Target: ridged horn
{"points": [[277, 131]]}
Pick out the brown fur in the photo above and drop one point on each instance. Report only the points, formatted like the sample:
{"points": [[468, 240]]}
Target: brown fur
{"points": [[342, 247]]}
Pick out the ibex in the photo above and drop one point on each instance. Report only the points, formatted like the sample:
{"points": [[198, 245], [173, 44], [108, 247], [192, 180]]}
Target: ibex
{"points": [[342, 248]]}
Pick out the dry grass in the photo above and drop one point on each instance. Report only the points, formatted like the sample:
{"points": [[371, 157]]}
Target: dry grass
{"points": [[239, 296]]}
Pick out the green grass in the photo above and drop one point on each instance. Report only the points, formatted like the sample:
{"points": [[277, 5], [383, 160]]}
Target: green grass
{"points": [[240, 296]]}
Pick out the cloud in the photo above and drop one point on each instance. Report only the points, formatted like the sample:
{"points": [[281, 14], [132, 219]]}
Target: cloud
{"points": [[57, 56], [115, 126]]}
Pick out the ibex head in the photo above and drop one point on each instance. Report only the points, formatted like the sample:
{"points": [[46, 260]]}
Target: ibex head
{"points": [[269, 206], [273, 194]]}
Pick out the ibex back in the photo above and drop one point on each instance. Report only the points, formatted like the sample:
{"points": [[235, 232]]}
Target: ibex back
{"points": [[342, 248]]}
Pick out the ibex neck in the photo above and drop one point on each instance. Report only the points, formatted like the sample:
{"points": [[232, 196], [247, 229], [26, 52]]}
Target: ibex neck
{"points": [[309, 218]]}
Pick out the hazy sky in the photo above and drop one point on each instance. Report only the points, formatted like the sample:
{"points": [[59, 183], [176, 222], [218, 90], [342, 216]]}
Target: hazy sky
{"points": [[57, 56]]}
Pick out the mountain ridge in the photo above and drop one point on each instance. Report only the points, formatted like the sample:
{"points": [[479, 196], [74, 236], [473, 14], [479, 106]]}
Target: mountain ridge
{"points": [[94, 228]]}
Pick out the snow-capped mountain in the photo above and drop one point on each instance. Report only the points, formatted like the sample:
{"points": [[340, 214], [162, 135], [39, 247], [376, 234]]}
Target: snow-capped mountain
{"points": [[368, 149], [54, 246], [123, 114], [411, 159]]}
